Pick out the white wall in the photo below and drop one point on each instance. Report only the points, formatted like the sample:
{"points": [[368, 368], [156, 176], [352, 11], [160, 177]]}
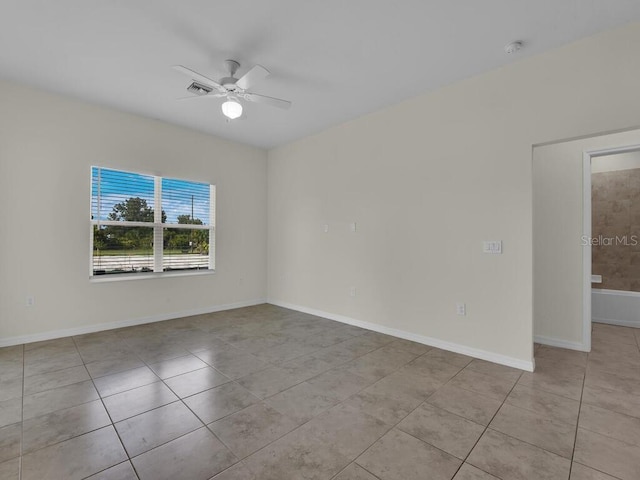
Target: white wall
{"points": [[557, 230], [427, 181], [47, 145], [616, 162]]}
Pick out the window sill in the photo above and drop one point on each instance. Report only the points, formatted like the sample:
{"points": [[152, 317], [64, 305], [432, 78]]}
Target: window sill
{"points": [[122, 277]]}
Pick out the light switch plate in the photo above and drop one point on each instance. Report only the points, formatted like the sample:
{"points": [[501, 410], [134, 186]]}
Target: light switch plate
{"points": [[492, 246]]}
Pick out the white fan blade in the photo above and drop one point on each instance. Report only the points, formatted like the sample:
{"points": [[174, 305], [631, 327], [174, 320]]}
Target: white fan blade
{"points": [[199, 78], [257, 73], [275, 102], [212, 95]]}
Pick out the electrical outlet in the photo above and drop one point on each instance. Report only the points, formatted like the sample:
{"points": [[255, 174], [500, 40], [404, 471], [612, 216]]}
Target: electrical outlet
{"points": [[461, 308], [352, 292], [353, 227], [325, 228], [31, 301]]}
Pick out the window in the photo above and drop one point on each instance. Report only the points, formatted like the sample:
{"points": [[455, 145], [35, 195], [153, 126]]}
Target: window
{"points": [[150, 224]]}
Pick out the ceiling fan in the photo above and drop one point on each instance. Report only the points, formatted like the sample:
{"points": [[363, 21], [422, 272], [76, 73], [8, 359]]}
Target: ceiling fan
{"points": [[231, 88]]}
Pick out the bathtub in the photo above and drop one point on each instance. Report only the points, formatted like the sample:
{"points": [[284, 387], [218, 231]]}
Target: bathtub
{"points": [[615, 307]]}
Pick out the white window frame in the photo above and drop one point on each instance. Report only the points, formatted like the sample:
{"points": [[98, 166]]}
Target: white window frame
{"points": [[158, 233]]}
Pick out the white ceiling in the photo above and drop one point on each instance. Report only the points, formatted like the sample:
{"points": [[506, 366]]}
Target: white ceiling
{"points": [[335, 59]]}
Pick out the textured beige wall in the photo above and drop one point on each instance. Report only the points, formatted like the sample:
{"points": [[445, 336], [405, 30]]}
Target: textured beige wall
{"points": [[427, 181], [47, 145], [615, 205]]}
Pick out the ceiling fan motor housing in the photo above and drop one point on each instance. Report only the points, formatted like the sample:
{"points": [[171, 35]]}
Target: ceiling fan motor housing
{"points": [[229, 83], [232, 66]]}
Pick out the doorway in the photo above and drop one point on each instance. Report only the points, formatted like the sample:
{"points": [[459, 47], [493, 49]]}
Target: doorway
{"points": [[562, 237], [613, 188]]}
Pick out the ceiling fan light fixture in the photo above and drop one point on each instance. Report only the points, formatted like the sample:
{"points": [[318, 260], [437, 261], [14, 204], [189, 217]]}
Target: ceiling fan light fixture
{"points": [[230, 88], [232, 109]]}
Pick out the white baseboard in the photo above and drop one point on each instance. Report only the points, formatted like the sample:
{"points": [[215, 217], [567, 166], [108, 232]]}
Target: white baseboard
{"points": [[615, 307], [555, 342], [620, 323], [99, 327], [528, 366]]}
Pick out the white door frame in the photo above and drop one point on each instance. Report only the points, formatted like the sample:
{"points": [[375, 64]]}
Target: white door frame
{"points": [[587, 156]]}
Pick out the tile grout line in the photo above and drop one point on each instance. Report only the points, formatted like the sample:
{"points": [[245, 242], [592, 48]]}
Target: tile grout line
{"points": [[599, 471], [487, 428], [533, 411], [371, 473], [395, 425], [353, 462], [575, 441], [312, 418], [160, 380], [426, 401], [179, 399], [182, 400], [576, 426], [231, 380], [22, 415], [108, 414], [261, 400], [99, 398], [205, 425], [550, 392], [66, 408], [578, 422]]}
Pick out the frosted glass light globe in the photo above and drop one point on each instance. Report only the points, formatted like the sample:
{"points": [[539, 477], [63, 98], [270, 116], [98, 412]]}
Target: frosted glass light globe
{"points": [[231, 109]]}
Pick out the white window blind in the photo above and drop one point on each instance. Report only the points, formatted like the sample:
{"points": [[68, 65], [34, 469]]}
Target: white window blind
{"points": [[130, 235]]}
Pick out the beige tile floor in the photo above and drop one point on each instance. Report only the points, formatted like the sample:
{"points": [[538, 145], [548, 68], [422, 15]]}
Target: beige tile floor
{"points": [[268, 393]]}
